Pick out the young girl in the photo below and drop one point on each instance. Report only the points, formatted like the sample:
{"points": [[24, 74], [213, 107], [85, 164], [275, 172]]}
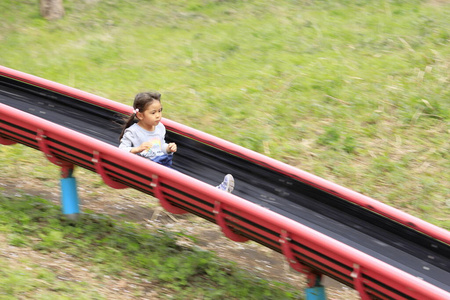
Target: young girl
{"points": [[144, 134]]}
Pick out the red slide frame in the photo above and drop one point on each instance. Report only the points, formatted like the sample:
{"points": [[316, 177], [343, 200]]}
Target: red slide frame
{"points": [[368, 275]]}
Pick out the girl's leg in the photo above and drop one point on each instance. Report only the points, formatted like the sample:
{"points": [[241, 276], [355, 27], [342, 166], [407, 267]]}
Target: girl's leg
{"points": [[227, 184]]}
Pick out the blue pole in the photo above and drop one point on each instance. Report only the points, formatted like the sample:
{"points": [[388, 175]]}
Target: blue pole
{"points": [[69, 197], [315, 290], [315, 293]]}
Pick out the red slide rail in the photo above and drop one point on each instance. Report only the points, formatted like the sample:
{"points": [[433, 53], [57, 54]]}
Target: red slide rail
{"points": [[307, 250]]}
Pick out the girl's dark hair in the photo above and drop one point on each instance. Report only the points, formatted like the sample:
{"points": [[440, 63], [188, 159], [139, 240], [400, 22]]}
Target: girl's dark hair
{"points": [[141, 102]]}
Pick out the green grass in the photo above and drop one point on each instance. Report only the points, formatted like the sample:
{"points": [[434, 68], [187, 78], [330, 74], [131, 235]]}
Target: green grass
{"points": [[35, 282], [356, 92], [118, 249], [334, 87]]}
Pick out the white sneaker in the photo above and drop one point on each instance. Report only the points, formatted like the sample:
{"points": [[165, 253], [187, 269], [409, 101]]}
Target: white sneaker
{"points": [[227, 184]]}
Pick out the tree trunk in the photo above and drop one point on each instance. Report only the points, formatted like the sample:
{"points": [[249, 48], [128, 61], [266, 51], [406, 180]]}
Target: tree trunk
{"points": [[52, 9]]}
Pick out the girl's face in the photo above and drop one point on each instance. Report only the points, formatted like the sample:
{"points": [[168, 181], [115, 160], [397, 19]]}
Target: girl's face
{"points": [[151, 116]]}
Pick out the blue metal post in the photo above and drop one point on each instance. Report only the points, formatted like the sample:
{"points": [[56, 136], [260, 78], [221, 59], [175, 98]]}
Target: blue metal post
{"points": [[315, 291], [69, 195]]}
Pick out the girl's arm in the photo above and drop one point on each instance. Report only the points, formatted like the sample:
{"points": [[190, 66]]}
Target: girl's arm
{"points": [[127, 144], [142, 147]]}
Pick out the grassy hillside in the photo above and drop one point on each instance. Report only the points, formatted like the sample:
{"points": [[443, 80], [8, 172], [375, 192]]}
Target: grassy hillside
{"points": [[50, 257], [356, 92]]}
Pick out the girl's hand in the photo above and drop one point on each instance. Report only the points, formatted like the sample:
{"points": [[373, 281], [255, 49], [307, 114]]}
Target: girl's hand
{"points": [[142, 147], [171, 148]]}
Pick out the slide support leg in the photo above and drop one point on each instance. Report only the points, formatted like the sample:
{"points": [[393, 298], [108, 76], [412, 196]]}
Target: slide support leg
{"points": [[69, 196], [315, 290]]}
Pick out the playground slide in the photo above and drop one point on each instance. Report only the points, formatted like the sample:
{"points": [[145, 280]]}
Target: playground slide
{"points": [[320, 227]]}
